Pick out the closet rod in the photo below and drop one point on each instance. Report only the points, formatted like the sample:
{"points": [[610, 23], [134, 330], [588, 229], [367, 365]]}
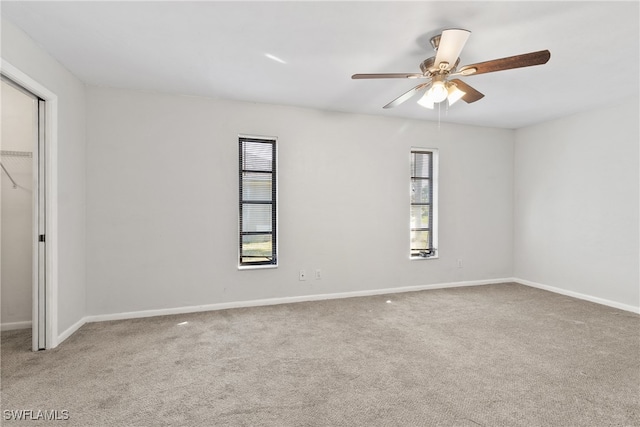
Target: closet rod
{"points": [[9, 175]]}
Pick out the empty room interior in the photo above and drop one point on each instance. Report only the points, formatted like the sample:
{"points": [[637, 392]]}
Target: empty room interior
{"points": [[325, 213]]}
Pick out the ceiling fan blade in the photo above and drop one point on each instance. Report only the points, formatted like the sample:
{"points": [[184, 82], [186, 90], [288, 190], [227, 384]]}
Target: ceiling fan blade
{"points": [[405, 96], [518, 61], [389, 76], [470, 94], [449, 48]]}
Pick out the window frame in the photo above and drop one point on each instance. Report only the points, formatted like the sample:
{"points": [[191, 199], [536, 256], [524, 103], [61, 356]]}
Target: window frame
{"points": [[273, 263], [433, 212]]}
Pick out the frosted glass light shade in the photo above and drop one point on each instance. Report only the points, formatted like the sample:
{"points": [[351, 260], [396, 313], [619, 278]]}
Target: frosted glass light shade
{"points": [[438, 91], [454, 94], [426, 101]]}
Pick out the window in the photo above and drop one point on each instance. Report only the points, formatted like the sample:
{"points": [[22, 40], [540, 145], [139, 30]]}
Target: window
{"points": [[423, 217], [258, 196]]}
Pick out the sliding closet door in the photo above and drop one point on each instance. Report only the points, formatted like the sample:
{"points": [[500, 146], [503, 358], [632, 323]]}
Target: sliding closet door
{"points": [[40, 226]]}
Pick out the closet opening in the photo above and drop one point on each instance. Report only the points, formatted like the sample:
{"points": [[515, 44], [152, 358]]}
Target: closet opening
{"points": [[23, 233]]}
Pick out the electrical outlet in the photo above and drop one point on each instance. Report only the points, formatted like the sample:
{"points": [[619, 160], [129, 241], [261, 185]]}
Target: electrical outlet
{"points": [[459, 262], [303, 275], [318, 274]]}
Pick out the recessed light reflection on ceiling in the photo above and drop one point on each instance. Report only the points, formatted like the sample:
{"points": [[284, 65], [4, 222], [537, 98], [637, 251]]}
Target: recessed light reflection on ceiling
{"points": [[388, 301], [183, 323], [275, 58]]}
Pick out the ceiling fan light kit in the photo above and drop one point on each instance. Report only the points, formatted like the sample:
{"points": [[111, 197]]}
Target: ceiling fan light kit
{"points": [[439, 91], [438, 69]]}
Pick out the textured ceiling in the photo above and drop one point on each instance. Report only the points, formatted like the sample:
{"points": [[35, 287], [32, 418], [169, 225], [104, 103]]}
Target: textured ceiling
{"points": [[222, 49]]}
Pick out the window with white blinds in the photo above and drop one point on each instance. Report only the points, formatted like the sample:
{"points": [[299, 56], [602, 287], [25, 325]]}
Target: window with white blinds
{"points": [[258, 202], [423, 216]]}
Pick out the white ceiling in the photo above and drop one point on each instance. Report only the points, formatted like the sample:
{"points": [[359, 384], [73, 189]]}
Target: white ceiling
{"points": [[219, 49]]}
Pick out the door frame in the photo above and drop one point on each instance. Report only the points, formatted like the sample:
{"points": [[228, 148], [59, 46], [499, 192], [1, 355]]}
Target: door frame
{"points": [[50, 164]]}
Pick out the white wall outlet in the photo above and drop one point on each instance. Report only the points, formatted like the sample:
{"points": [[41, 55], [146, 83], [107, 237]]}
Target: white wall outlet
{"points": [[303, 275], [459, 262], [318, 274]]}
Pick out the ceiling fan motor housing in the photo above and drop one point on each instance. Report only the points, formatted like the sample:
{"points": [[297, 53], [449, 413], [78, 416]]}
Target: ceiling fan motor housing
{"points": [[429, 67]]}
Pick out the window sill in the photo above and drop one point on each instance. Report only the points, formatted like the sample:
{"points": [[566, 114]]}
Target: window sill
{"points": [[256, 267]]}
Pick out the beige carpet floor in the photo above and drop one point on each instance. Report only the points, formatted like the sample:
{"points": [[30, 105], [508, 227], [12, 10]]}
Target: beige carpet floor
{"points": [[495, 355]]}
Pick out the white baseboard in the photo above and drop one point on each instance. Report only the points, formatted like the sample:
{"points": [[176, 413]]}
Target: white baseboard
{"points": [[578, 295], [304, 298], [283, 300], [319, 297], [70, 330], [10, 326]]}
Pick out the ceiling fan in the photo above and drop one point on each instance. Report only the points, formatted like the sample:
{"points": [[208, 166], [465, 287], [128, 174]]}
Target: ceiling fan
{"points": [[439, 69]]}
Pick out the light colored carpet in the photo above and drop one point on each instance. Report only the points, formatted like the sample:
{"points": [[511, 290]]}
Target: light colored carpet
{"points": [[495, 355]]}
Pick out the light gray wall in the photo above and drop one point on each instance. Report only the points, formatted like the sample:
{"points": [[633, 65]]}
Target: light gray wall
{"points": [[576, 203], [16, 244], [162, 201], [16, 275], [19, 50]]}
